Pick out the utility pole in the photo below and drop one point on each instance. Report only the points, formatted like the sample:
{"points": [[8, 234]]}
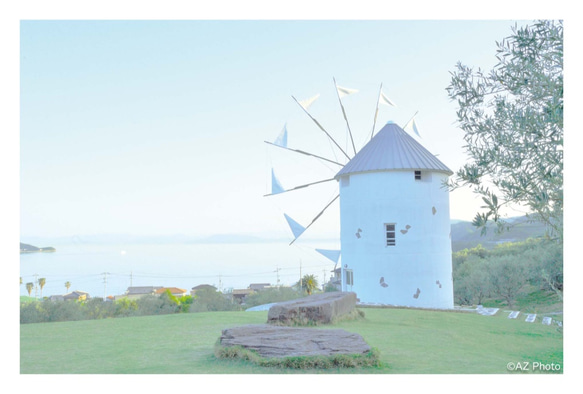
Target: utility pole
{"points": [[131, 278], [105, 284], [301, 284], [277, 272], [324, 281], [220, 284]]}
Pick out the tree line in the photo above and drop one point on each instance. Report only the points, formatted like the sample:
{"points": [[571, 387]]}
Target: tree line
{"points": [[506, 271], [205, 300]]}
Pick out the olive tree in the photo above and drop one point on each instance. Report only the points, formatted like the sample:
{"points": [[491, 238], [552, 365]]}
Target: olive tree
{"points": [[508, 277], [472, 280], [512, 117]]}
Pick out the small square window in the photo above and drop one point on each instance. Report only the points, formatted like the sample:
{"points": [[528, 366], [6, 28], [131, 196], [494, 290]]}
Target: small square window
{"points": [[390, 234], [345, 181], [417, 175]]}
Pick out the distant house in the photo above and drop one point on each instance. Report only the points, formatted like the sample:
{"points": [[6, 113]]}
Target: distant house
{"points": [[141, 291], [76, 296], [56, 298], [259, 286], [175, 291], [336, 279], [201, 287], [240, 294]]}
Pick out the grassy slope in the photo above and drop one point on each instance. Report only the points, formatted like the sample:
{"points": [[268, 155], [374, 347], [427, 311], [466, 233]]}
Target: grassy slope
{"points": [[409, 341]]}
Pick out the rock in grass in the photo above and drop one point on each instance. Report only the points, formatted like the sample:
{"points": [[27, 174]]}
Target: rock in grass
{"points": [[278, 341], [316, 309]]}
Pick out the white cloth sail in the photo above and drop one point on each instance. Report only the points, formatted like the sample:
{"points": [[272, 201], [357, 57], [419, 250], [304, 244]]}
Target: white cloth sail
{"points": [[385, 100], [282, 137], [345, 91], [309, 101], [296, 228], [276, 187], [333, 255], [412, 125]]}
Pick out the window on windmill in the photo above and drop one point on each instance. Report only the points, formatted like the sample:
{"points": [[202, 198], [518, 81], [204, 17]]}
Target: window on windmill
{"points": [[349, 277], [390, 232], [345, 181], [417, 175]]}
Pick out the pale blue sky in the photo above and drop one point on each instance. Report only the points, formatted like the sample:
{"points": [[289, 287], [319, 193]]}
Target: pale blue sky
{"points": [[177, 118], [157, 127]]}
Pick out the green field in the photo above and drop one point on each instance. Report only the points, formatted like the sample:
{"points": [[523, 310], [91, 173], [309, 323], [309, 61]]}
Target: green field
{"points": [[409, 341]]}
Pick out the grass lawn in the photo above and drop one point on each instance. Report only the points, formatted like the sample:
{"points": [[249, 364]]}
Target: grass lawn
{"points": [[409, 341]]}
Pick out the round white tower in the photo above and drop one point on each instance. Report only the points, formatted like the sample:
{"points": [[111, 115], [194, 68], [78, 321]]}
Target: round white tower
{"points": [[395, 225]]}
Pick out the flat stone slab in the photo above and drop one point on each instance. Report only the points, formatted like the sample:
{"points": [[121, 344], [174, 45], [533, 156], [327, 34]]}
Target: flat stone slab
{"points": [[547, 320], [530, 318], [513, 314], [487, 311], [280, 341], [317, 308]]}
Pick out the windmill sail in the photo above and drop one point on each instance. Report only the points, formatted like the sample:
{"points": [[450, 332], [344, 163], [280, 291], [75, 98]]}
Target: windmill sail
{"points": [[274, 191], [411, 125], [333, 255], [341, 93], [376, 112], [305, 104], [276, 187], [383, 99], [345, 91], [282, 138], [296, 228]]}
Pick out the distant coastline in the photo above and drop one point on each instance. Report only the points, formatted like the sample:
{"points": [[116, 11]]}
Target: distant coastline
{"points": [[26, 248], [463, 235]]}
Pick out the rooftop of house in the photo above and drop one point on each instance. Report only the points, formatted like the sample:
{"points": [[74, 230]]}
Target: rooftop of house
{"points": [[142, 289], [199, 287], [242, 291], [173, 290], [259, 286]]}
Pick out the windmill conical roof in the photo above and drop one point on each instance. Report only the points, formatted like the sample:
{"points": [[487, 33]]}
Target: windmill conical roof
{"points": [[392, 149]]}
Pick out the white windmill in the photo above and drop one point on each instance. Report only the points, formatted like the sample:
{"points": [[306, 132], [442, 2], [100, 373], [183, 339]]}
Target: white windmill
{"points": [[394, 216]]}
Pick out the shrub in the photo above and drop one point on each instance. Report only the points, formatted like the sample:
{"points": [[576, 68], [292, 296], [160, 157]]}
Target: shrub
{"points": [[156, 305], [125, 307], [211, 300], [271, 295]]}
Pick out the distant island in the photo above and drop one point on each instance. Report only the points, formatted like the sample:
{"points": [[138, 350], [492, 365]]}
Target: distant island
{"points": [[25, 248]]}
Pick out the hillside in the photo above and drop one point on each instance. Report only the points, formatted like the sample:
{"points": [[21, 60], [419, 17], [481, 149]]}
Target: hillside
{"points": [[465, 235], [26, 248]]}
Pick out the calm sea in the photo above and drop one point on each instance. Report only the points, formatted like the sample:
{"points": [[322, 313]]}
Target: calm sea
{"points": [[101, 269]]}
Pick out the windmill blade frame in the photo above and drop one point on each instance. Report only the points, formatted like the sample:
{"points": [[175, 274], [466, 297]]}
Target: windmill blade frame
{"points": [[322, 128], [344, 114], [300, 187], [305, 153], [316, 218]]}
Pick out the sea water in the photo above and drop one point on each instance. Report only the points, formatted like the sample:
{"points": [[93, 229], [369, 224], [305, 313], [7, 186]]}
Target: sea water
{"points": [[109, 269]]}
